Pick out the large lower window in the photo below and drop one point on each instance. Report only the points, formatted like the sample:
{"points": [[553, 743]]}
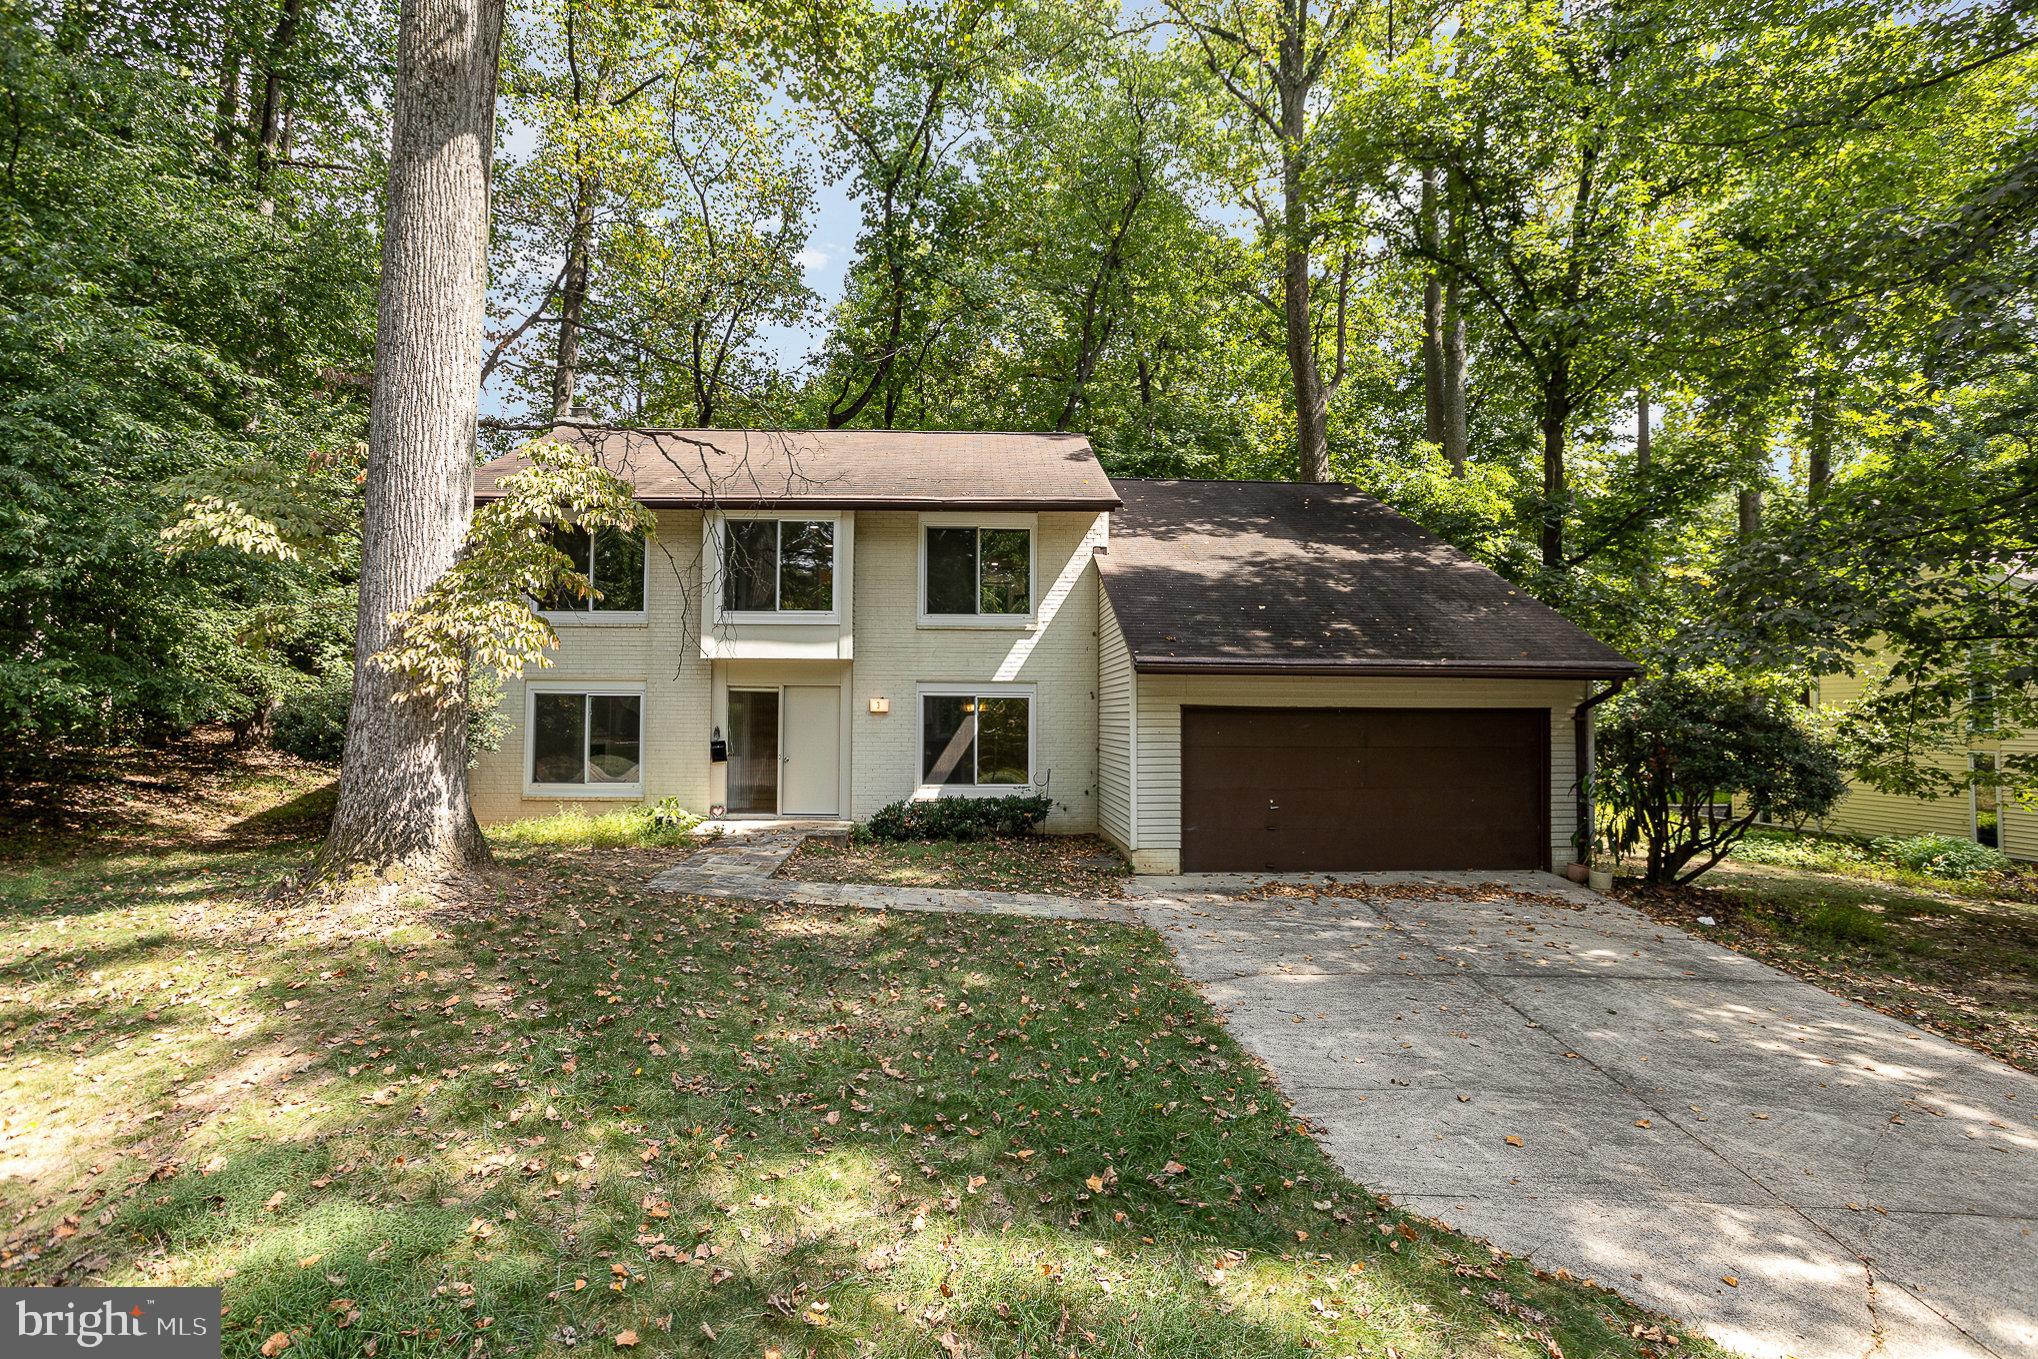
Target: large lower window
{"points": [[976, 740], [612, 561], [778, 566], [586, 740], [978, 572]]}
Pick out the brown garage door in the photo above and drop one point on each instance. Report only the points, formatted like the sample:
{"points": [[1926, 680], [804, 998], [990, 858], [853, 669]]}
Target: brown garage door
{"points": [[1359, 789]]}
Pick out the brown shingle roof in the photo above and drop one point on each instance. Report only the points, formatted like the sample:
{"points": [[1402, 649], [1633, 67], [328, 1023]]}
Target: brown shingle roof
{"points": [[1233, 576], [843, 468]]}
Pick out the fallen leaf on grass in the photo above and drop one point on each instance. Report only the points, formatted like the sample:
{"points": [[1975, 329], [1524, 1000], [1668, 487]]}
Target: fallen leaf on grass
{"points": [[625, 1339], [275, 1345]]}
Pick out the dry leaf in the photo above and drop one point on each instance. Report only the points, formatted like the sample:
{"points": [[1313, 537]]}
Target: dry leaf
{"points": [[275, 1345], [625, 1339], [1514, 1141]]}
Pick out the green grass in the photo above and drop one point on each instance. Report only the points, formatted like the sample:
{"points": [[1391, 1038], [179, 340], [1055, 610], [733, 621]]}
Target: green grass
{"points": [[1960, 963], [526, 1117], [630, 827], [1063, 865]]}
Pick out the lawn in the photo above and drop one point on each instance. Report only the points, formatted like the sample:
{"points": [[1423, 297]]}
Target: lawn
{"points": [[1064, 865], [1944, 957], [547, 1111]]}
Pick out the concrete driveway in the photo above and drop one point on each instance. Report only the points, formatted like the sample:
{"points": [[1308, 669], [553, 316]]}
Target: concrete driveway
{"points": [[1686, 1115]]}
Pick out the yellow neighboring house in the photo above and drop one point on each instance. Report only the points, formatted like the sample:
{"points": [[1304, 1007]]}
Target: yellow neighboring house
{"points": [[1972, 814]]}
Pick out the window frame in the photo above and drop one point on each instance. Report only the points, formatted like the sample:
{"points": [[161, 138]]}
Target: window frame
{"points": [[586, 689], [923, 790], [962, 519], [718, 558], [592, 616], [1995, 766]]}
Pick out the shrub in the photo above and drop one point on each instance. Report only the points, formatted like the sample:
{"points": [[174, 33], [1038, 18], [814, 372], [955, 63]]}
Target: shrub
{"points": [[312, 724], [1688, 764], [1798, 851], [1940, 856], [653, 826], [959, 818]]}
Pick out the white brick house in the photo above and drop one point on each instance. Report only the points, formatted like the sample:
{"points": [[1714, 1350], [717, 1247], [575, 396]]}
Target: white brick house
{"points": [[826, 622]]}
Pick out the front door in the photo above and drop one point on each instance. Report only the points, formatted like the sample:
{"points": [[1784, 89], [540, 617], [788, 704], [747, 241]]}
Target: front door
{"points": [[812, 761], [753, 752]]}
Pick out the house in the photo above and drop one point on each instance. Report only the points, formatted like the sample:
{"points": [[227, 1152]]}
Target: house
{"points": [[1999, 820], [1212, 675]]}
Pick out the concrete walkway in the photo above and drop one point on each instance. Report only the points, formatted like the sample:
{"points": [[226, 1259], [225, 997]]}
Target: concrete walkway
{"points": [[1795, 1173], [740, 865]]}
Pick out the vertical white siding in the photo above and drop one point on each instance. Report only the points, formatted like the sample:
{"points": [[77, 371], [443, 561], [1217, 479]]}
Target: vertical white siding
{"points": [[662, 653], [1160, 699], [1115, 696]]}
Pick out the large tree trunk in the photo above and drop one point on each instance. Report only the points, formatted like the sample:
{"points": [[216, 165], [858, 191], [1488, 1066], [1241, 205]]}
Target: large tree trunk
{"points": [[1750, 513], [403, 801], [226, 127], [1456, 440]]}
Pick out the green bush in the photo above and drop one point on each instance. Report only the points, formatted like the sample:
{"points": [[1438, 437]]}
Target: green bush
{"points": [[1940, 856], [959, 818], [312, 724], [1798, 851], [652, 826]]}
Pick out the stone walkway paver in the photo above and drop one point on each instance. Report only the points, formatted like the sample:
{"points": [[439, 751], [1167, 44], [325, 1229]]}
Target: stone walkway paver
{"points": [[1797, 1174], [740, 867]]}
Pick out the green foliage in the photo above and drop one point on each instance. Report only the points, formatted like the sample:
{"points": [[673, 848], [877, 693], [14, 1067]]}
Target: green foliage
{"points": [[655, 826], [959, 818], [312, 724], [163, 329], [1940, 856], [477, 619], [1843, 921], [1689, 764], [1818, 853]]}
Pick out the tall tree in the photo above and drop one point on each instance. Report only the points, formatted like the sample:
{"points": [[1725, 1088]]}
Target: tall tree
{"points": [[1277, 64], [403, 800]]}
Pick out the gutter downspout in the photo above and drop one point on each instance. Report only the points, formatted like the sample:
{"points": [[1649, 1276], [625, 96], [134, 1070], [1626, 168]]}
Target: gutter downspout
{"points": [[1586, 758]]}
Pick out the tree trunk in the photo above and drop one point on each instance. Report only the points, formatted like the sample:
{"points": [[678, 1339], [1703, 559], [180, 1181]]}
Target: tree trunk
{"points": [[227, 110], [1457, 442], [573, 303], [1642, 427], [1750, 513], [403, 799], [1818, 445], [1432, 319], [270, 131], [1312, 405], [1556, 418]]}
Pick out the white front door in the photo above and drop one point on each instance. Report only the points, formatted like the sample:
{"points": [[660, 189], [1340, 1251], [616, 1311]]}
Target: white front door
{"points": [[811, 750]]}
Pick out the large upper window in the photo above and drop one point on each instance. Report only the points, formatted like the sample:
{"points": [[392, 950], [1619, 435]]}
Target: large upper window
{"points": [[586, 740], [976, 740], [778, 566], [978, 572], [612, 561]]}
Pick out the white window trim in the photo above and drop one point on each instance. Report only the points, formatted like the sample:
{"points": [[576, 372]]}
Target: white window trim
{"points": [[607, 618], [924, 790], [578, 791], [962, 519], [718, 541]]}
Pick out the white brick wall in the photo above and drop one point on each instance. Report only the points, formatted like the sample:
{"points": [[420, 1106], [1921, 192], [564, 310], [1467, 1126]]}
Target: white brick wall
{"points": [[1057, 655], [662, 653], [1158, 791]]}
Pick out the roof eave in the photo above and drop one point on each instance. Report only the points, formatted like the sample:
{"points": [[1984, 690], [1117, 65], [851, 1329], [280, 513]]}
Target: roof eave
{"points": [[1093, 505], [1219, 665]]}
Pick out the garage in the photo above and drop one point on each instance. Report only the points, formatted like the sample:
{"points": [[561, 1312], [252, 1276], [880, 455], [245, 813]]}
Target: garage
{"points": [[1364, 789]]}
